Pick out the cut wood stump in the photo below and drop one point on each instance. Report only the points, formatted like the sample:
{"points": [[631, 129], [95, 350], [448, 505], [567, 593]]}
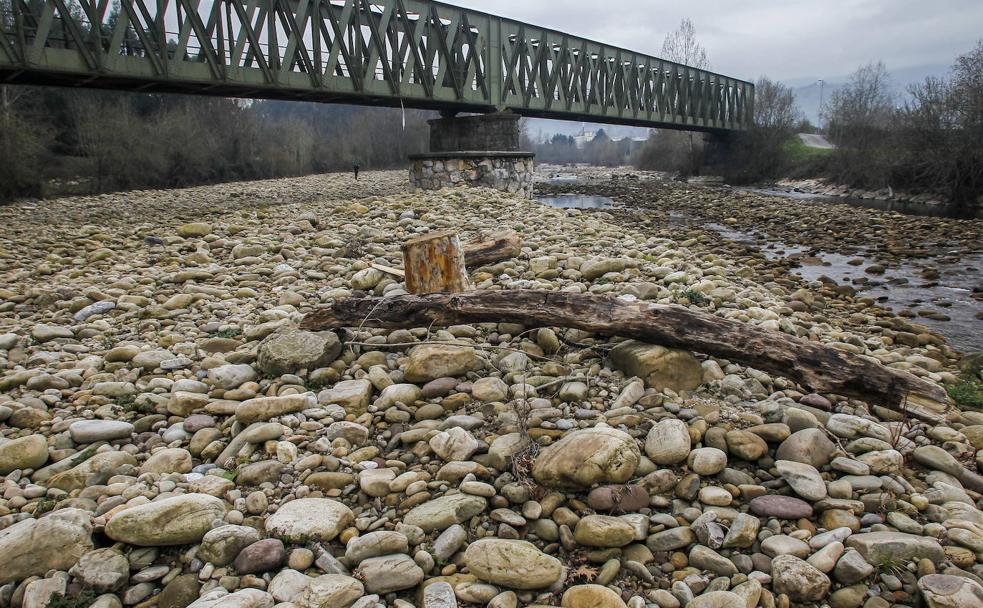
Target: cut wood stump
{"points": [[434, 263], [814, 366], [491, 248]]}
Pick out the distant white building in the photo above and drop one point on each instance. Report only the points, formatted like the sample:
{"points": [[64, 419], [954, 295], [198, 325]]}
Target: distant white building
{"points": [[583, 138]]}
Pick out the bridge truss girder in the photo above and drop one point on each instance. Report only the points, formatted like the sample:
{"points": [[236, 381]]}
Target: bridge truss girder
{"points": [[414, 53]]}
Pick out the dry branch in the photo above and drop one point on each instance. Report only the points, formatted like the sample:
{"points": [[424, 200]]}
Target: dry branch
{"points": [[813, 365]]}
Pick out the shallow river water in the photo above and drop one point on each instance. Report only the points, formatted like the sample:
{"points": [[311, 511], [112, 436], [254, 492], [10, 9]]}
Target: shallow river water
{"points": [[577, 201], [905, 207], [901, 288]]}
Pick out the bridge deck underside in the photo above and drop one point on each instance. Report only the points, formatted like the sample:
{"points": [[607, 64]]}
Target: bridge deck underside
{"points": [[414, 53]]}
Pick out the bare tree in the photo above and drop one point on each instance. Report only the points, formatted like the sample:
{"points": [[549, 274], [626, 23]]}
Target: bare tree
{"points": [[774, 106], [863, 107], [860, 120], [682, 46], [761, 152], [940, 137], [678, 148], [115, 140]]}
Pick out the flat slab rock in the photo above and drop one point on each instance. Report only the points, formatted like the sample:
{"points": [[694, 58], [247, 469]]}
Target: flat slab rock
{"points": [[513, 563], [310, 518], [442, 513], [879, 547], [783, 507], [33, 546], [946, 591], [179, 520]]}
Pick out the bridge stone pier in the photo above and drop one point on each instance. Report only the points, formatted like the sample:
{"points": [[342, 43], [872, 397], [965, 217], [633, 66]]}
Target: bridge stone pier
{"points": [[476, 151]]}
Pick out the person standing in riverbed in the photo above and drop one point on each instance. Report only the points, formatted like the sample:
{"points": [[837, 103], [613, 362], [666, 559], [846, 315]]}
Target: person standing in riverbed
{"points": [[355, 168]]}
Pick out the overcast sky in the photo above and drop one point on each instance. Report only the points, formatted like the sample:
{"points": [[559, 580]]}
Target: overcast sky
{"points": [[784, 39]]}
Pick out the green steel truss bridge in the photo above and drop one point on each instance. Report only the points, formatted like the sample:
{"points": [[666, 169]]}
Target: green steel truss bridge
{"points": [[410, 53]]}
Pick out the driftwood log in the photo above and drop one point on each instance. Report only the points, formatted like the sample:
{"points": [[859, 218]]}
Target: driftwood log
{"points": [[814, 366], [434, 262], [491, 248]]}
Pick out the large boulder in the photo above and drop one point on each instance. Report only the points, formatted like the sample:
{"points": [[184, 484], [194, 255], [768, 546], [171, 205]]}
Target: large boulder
{"points": [[244, 598], [94, 471], [808, 446], [658, 366], [290, 350], [586, 457], [804, 479], [179, 520], [603, 531], [288, 585], [33, 546], [180, 592], [591, 596], [745, 445], [718, 599], [265, 408], [221, 545], [231, 376], [90, 431], [948, 591], [388, 573], [353, 395], [782, 507], [310, 519], [374, 544], [168, 460], [194, 229], [102, 570], [442, 513], [595, 268], [431, 361], [880, 547], [668, 442], [512, 563], [454, 444], [263, 556], [331, 591], [798, 579], [29, 452]]}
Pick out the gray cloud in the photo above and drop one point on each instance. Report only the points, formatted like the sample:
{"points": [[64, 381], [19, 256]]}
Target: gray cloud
{"points": [[784, 39]]}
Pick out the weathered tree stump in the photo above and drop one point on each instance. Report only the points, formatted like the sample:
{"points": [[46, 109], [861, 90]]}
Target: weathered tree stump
{"points": [[434, 263], [493, 247], [813, 365]]}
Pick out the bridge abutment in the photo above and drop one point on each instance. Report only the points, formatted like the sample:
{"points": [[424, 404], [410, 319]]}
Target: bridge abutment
{"points": [[476, 151]]}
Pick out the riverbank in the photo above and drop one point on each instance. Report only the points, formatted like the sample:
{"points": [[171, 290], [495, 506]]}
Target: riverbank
{"points": [[172, 439], [886, 199], [821, 187]]}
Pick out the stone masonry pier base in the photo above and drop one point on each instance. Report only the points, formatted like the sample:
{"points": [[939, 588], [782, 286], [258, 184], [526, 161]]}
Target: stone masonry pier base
{"points": [[506, 171], [476, 151]]}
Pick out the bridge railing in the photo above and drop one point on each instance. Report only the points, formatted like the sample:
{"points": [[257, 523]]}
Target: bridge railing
{"points": [[416, 53]]}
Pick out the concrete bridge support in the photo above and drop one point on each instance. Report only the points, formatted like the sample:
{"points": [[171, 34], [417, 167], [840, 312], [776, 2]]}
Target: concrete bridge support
{"points": [[476, 151]]}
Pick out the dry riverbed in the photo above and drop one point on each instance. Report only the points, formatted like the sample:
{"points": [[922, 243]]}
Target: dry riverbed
{"points": [[171, 439]]}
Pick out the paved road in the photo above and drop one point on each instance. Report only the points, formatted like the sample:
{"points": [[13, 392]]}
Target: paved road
{"points": [[815, 141]]}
